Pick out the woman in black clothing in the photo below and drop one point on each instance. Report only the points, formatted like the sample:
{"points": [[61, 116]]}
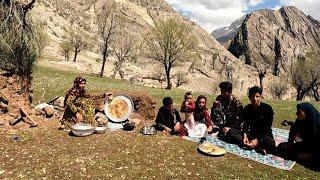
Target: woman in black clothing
{"points": [[258, 118], [304, 138]]}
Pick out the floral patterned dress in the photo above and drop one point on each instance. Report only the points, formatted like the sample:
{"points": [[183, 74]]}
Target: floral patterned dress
{"points": [[84, 105]]}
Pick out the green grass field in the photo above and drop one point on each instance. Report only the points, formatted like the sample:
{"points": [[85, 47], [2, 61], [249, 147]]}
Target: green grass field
{"points": [[47, 153]]}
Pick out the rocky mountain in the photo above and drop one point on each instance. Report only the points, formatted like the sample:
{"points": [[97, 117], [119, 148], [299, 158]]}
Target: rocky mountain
{"points": [[274, 39], [216, 63], [226, 34]]}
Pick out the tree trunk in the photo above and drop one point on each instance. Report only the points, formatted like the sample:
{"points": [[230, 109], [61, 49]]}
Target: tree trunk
{"points": [[300, 94], [261, 81], [104, 59], [169, 84], [75, 56], [117, 67], [316, 93]]}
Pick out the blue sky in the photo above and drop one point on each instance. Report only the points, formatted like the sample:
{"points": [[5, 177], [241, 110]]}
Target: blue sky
{"points": [[213, 14], [268, 4]]}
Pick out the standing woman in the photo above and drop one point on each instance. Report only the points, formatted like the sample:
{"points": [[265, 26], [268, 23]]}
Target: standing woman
{"points": [[304, 137], [79, 105]]}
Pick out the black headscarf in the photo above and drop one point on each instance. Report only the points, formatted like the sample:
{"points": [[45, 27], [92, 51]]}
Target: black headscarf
{"points": [[312, 114]]}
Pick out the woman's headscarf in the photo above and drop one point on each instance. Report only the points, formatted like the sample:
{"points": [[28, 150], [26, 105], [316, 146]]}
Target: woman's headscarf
{"points": [[313, 115], [76, 90]]}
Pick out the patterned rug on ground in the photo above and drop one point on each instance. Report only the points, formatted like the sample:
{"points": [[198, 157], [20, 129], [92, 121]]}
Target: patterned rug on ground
{"points": [[280, 135]]}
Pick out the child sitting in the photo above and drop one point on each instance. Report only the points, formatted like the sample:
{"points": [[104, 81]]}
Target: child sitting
{"points": [[187, 107]]}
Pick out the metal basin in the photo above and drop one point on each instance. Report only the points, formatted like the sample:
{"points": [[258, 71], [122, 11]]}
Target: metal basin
{"points": [[100, 129], [82, 129]]}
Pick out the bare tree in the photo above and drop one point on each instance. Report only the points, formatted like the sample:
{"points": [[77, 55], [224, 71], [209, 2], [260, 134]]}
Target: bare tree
{"points": [[181, 78], [122, 49], [79, 41], [108, 21], [214, 58], [169, 42], [305, 74], [66, 48], [278, 89]]}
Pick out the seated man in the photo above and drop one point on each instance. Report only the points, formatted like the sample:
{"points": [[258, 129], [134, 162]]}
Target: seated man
{"points": [[258, 118], [168, 118], [226, 114]]}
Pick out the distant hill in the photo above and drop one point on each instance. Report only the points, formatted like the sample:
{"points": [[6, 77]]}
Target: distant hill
{"points": [[225, 34]]}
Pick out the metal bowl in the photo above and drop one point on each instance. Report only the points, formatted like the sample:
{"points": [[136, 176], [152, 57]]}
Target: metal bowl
{"points": [[100, 129], [148, 130], [82, 129]]}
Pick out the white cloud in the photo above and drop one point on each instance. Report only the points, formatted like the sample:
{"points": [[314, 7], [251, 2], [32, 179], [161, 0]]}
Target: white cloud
{"points": [[309, 7], [255, 2], [213, 14]]}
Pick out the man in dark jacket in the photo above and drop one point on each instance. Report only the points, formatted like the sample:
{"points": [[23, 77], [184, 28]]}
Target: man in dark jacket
{"points": [[258, 118], [226, 114], [168, 118]]}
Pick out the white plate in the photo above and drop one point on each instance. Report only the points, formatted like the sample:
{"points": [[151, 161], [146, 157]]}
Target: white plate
{"points": [[212, 149], [125, 115]]}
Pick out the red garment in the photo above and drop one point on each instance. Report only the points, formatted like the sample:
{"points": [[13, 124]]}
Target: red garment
{"points": [[203, 115], [190, 108]]}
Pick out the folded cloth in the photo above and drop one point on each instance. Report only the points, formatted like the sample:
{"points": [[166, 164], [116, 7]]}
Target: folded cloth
{"points": [[199, 131]]}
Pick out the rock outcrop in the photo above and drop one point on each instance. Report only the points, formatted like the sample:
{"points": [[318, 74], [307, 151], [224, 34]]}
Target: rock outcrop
{"points": [[274, 39]]}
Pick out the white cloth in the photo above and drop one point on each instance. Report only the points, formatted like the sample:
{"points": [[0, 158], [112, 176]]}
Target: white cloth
{"points": [[43, 105], [200, 130]]}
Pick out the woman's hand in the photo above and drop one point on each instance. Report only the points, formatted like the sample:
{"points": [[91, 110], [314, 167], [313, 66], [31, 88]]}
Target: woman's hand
{"points": [[108, 96], [253, 143], [245, 140], [210, 128], [225, 130], [79, 117], [216, 104]]}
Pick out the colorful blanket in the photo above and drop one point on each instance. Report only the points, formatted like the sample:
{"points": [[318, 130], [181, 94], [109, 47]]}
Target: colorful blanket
{"points": [[280, 135]]}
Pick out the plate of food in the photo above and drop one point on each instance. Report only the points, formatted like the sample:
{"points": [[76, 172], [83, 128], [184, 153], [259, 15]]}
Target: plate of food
{"points": [[119, 108], [211, 149]]}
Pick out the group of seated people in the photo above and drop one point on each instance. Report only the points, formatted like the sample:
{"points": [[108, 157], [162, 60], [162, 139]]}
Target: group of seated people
{"points": [[248, 127]]}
